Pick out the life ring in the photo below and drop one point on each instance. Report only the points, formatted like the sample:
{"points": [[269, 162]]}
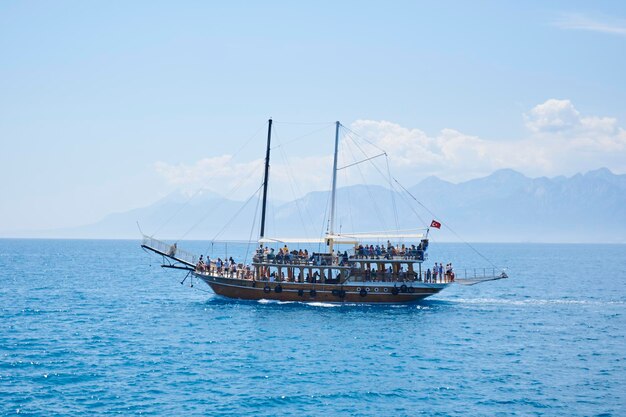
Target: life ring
{"points": [[278, 289], [362, 293], [395, 290], [358, 289], [403, 288], [368, 289], [266, 289], [386, 289], [312, 293], [376, 289], [301, 292], [411, 290]]}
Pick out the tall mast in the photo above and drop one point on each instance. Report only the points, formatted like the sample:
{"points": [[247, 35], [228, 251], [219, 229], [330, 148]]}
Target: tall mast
{"points": [[334, 189], [266, 176]]}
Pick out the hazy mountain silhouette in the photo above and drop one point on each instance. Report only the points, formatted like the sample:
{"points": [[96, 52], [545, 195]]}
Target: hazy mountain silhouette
{"points": [[505, 206]]}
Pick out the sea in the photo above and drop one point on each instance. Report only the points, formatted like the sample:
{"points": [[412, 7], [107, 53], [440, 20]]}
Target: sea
{"points": [[97, 327]]}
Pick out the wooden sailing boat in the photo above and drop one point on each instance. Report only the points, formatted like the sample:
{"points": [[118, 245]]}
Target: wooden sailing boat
{"points": [[360, 273]]}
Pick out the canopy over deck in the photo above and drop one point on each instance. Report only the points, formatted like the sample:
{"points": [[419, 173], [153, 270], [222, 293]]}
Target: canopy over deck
{"points": [[350, 238]]}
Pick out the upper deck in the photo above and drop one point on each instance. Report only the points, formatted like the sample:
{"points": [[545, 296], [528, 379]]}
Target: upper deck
{"points": [[368, 253]]}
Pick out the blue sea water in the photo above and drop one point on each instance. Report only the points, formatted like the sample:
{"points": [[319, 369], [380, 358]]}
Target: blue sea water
{"points": [[97, 327]]}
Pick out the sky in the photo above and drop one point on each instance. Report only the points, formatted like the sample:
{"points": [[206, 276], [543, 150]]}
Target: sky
{"points": [[107, 106]]}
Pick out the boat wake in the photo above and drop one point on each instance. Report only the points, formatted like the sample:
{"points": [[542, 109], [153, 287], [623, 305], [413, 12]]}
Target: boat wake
{"points": [[325, 305], [534, 302]]}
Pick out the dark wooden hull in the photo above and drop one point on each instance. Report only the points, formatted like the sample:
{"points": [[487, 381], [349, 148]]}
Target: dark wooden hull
{"points": [[375, 293]]}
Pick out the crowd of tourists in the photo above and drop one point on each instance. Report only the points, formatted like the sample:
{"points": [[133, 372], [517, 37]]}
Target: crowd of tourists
{"points": [[390, 251], [227, 267], [230, 268], [439, 273], [283, 255]]}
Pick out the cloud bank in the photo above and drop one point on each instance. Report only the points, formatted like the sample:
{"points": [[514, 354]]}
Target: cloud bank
{"points": [[560, 141], [577, 21]]}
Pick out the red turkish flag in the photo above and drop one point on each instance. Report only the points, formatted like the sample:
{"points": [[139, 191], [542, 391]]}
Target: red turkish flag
{"points": [[435, 224]]}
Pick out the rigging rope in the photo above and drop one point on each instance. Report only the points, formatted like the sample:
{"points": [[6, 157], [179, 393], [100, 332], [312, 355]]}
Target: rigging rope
{"points": [[256, 211], [304, 123], [393, 194], [236, 214], [360, 162], [420, 203], [177, 212], [220, 201], [298, 138], [445, 224], [365, 139], [346, 176], [324, 218], [388, 177], [296, 199], [381, 218]]}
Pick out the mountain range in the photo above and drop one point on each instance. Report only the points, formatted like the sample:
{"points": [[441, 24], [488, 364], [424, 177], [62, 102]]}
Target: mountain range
{"points": [[505, 206]]}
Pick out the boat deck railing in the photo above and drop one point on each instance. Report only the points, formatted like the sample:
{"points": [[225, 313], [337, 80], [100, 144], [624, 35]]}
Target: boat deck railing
{"points": [[297, 260], [478, 275], [337, 261], [402, 277], [407, 256], [239, 273], [467, 277], [169, 250]]}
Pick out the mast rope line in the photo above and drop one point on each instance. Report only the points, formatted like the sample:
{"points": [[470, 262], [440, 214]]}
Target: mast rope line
{"points": [[219, 203], [236, 214], [360, 162], [365, 139], [256, 211], [292, 184], [447, 225], [381, 218], [304, 123], [414, 198], [393, 194], [346, 176], [297, 138], [324, 219], [293, 192], [194, 195], [389, 176]]}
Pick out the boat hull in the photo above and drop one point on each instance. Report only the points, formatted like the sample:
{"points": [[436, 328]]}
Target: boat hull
{"points": [[367, 292]]}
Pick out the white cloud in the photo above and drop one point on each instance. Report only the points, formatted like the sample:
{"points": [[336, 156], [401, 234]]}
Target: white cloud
{"points": [[560, 141], [560, 116], [239, 180], [603, 24], [221, 172], [552, 116]]}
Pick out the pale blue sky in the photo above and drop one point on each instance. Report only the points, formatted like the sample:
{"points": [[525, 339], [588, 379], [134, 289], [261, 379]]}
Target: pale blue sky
{"points": [[94, 94]]}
